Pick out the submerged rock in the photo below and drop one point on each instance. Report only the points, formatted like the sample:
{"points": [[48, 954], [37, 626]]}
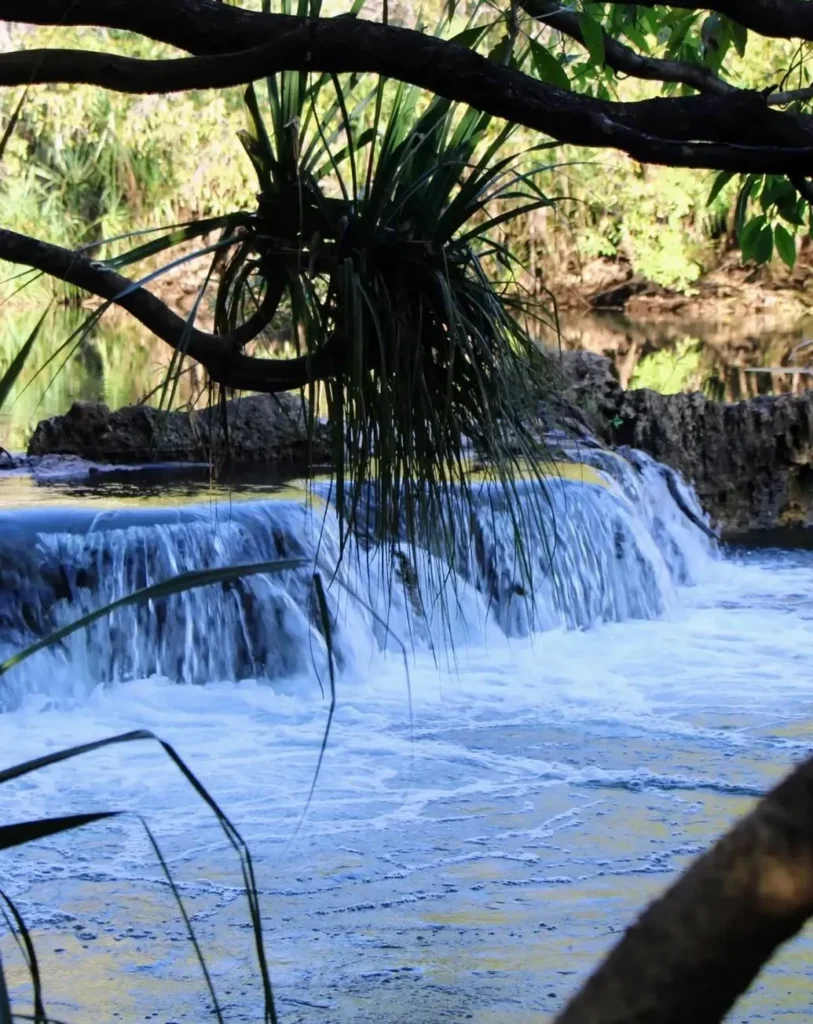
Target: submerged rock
{"points": [[259, 428]]}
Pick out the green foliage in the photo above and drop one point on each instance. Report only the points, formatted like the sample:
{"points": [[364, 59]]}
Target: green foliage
{"points": [[164, 160], [85, 164], [378, 238]]}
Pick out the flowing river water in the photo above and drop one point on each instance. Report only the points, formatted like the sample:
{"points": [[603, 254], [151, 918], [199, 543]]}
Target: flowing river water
{"points": [[487, 818]]}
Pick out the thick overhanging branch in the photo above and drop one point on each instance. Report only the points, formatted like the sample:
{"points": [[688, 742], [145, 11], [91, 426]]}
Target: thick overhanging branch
{"points": [[220, 355], [695, 950], [707, 131]]}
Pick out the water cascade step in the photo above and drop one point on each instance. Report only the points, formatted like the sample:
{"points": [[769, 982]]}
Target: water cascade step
{"points": [[610, 539]]}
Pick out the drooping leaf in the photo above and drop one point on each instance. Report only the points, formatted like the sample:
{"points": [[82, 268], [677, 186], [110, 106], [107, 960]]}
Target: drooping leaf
{"points": [[739, 36], [749, 234], [785, 245], [719, 184], [548, 67], [593, 35], [763, 248]]}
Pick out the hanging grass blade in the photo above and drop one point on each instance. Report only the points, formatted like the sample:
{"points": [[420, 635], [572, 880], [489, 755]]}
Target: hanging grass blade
{"points": [[40, 828], [9, 378], [175, 585], [235, 839], [5, 1004], [12, 124], [26, 944]]}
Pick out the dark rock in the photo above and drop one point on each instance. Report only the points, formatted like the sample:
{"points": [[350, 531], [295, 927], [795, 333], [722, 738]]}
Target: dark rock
{"points": [[592, 385], [750, 462], [260, 428], [31, 582]]}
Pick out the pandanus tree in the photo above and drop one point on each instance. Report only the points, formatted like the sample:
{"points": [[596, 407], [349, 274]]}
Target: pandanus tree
{"points": [[374, 237]]}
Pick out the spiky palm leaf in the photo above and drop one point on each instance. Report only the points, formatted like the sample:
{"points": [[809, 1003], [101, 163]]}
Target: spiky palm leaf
{"points": [[376, 243]]}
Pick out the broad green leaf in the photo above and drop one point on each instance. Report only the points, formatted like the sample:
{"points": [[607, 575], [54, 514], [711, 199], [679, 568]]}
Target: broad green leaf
{"points": [[785, 244], [593, 35], [739, 36], [470, 37], [763, 250], [749, 234], [548, 67], [634, 34]]}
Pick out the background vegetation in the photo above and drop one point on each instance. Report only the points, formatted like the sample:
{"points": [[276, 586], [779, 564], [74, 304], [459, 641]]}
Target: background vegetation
{"points": [[86, 164]]}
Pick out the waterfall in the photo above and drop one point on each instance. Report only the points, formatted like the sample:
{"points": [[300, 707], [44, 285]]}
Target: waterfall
{"points": [[610, 539]]}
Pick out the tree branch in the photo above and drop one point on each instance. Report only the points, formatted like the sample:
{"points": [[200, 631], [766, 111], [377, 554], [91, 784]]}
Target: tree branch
{"points": [[220, 355], [695, 950], [623, 58], [711, 131], [780, 99]]}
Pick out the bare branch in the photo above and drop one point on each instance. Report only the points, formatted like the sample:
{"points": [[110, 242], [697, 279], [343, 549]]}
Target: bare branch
{"points": [[219, 355], [781, 99], [695, 950]]}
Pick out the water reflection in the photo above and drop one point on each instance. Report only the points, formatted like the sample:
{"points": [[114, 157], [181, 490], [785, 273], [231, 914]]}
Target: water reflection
{"points": [[728, 360], [119, 362]]}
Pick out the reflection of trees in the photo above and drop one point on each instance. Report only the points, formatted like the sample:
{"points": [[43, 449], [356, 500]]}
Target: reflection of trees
{"points": [[679, 354], [117, 362]]}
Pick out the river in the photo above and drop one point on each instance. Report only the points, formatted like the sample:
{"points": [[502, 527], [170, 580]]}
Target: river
{"points": [[119, 362], [486, 819]]}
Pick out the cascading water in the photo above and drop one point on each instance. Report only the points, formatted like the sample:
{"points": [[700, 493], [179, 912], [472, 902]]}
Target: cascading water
{"points": [[608, 547], [477, 836]]}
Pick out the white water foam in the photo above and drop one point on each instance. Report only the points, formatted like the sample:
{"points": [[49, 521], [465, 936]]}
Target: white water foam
{"points": [[477, 836]]}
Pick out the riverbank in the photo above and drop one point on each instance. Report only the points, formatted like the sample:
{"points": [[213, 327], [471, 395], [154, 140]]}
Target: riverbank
{"points": [[723, 293]]}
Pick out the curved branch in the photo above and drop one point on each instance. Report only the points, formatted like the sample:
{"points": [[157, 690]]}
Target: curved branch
{"points": [[622, 58], [704, 131], [695, 950], [220, 355]]}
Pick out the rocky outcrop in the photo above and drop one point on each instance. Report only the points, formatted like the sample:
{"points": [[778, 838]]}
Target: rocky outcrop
{"points": [[751, 462], [259, 428]]}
